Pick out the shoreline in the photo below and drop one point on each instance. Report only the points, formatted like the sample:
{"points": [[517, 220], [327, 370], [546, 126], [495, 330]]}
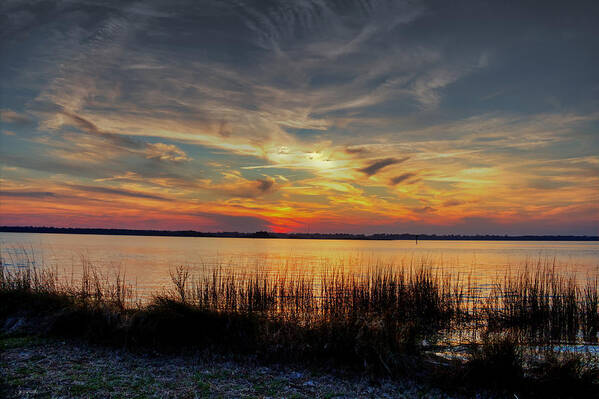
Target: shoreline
{"points": [[40, 365], [49, 367], [297, 236]]}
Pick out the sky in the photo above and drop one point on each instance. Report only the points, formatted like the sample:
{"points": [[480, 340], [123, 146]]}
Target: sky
{"points": [[366, 116]]}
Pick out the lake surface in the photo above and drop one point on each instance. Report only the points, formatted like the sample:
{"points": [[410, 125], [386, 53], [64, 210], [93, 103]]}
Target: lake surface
{"points": [[146, 261]]}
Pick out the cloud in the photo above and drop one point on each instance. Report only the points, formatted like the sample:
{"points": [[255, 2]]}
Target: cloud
{"points": [[127, 176], [376, 166], [242, 188], [426, 89], [166, 152], [48, 164], [10, 116], [349, 24], [90, 127], [216, 103], [116, 191], [265, 185], [548, 184], [27, 194], [453, 202], [356, 150], [401, 178]]}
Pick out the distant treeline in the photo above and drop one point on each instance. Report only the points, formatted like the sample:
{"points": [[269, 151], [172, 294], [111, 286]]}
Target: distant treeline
{"points": [[267, 234]]}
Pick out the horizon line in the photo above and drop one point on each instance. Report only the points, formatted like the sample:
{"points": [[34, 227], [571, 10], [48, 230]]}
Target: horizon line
{"points": [[294, 235]]}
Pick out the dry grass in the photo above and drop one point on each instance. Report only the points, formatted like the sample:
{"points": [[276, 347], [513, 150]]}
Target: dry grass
{"points": [[545, 306], [537, 302], [377, 321]]}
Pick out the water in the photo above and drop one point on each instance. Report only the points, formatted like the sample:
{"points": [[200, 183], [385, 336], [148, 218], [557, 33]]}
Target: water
{"points": [[146, 261]]}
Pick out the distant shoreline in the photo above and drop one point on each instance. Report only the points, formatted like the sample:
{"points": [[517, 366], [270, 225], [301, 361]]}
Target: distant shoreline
{"points": [[313, 236]]}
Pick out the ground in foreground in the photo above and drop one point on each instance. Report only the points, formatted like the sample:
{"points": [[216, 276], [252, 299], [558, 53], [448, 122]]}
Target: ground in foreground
{"points": [[47, 368]]}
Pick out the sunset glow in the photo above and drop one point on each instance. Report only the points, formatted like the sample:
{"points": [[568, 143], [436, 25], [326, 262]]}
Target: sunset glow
{"points": [[300, 117]]}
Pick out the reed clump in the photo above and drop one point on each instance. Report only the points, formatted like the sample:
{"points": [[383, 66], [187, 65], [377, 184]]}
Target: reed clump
{"points": [[410, 295], [373, 319], [93, 289], [545, 306]]}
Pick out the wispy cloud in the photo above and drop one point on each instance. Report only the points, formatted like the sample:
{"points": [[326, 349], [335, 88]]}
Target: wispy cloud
{"points": [[116, 191], [402, 178], [26, 194], [10, 116], [166, 152], [243, 188], [375, 166]]}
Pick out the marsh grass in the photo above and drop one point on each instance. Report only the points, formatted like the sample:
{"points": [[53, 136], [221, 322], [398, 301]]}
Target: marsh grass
{"points": [[371, 319], [415, 294], [536, 302], [545, 306], [93, 289], [383, 320]]}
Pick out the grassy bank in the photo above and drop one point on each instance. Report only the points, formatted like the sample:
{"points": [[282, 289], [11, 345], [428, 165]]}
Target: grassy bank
{"points": [[36, 367], [382, 323]]}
